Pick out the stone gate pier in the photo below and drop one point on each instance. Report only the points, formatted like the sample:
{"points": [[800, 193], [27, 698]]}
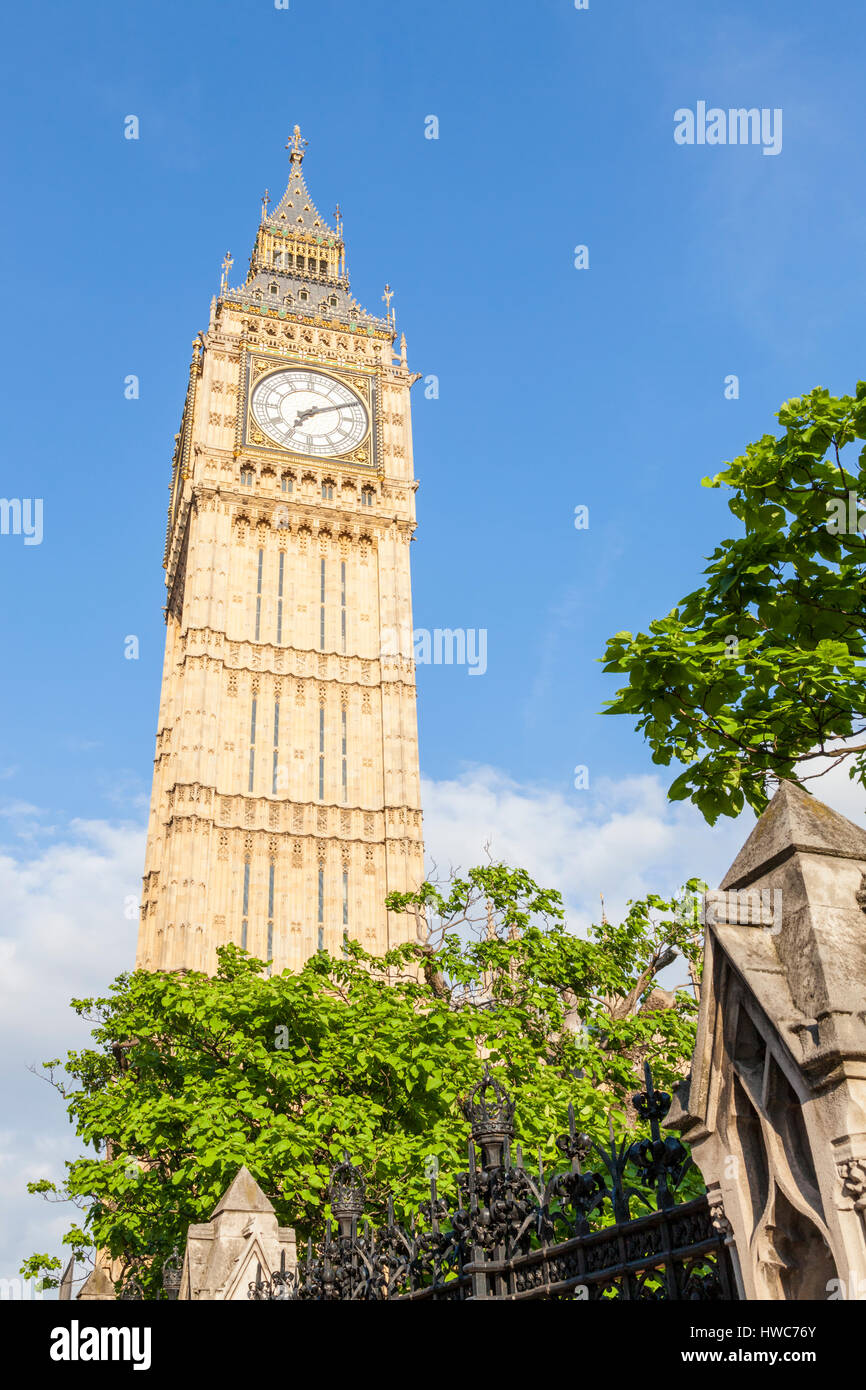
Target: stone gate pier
{"points": [[774, 1107]]}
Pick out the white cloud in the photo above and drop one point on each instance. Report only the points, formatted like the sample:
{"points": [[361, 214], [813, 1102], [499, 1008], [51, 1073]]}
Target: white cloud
{"points": [[64, 935], [835, 787], [622, 839]]}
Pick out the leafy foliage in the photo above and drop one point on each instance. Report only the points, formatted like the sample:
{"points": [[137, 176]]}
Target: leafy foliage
{"points": [[190, 1076], [763, 669]]}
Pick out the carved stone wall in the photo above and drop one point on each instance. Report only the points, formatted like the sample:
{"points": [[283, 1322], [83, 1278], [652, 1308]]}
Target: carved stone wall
{"points": [[241, 1242], [775, 1104]]}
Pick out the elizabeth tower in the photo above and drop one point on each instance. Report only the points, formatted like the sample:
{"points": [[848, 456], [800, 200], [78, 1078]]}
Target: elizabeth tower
{"points": [[285, 799]]}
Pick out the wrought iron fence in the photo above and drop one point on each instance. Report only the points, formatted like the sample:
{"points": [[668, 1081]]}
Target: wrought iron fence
{"points": [[566, 1234]]}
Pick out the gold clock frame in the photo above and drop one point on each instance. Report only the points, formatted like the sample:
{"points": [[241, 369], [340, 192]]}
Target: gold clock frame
{"points": [[364, 456]]}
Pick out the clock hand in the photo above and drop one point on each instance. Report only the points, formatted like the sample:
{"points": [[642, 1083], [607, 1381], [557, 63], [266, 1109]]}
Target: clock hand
{"points": [[318, 410]]}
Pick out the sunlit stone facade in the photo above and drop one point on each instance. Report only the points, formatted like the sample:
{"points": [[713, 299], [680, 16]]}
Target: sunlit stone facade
{"points": [[285, 799]]}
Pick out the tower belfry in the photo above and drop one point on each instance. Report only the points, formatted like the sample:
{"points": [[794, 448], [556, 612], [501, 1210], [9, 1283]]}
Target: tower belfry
{"points": [[285, 799]]}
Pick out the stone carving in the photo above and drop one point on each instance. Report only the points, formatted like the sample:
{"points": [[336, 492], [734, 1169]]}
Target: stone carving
{"points": [[775, 1104], [852, 1175], [243, 1238]]}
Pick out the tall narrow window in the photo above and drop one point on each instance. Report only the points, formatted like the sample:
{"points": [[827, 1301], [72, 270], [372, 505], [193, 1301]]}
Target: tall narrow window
{"points": [[321, 752], [345, 907], [322, 607], [344, 741], [252, 745], [280, 597], [343, 604], [321, 908], [259, 596], [270, 951], [276, 747], [246, 907]]}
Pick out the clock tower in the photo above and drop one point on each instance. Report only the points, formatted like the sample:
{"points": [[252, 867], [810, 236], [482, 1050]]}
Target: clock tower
{"points": [[285, 799]]}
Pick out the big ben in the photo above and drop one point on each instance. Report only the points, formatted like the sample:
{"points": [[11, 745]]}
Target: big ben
{"points": [[286, 800]]}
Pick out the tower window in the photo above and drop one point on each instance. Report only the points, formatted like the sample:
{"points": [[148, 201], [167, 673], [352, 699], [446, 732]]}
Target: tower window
{"points": [[328, 491], [286, 483], [343, 605], [275, 779], [344, 745], [345, 907], [367, 495], [321, 908], [304, 295], [270, 950], [247, 476], [333, 301], [280, 598], [252, 745], [321, 752], [273, 287], [246, 905], [259, 596], [322, 608], [323, 267]]}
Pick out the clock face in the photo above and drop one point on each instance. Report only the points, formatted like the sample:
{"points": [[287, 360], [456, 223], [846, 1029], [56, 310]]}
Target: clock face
{"points": [[309, 413]]}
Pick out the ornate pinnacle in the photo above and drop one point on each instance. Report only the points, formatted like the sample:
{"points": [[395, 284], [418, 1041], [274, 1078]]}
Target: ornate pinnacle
{"points": [[296, 146], [490, 1111], [346, 1194]]}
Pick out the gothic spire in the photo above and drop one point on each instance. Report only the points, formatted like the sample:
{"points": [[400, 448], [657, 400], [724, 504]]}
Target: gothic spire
{"points": [[298, 262], [296, 208]]}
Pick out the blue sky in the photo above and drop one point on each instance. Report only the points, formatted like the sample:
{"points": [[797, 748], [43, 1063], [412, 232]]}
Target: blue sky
{"points": [[558, 387]]}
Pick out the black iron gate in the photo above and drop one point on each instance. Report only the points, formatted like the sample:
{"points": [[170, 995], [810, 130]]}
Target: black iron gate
{"points": [[516, 1234]]}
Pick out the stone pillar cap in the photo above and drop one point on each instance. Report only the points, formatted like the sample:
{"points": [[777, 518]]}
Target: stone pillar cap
{"points": [[794, 821]]}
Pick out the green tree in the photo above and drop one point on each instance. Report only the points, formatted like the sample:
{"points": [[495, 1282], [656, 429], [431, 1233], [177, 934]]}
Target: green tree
{"points": [[762, 671], [192, 1076]]}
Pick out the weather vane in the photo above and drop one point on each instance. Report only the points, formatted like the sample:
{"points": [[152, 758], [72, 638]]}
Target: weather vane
{"points": [[388, 296], [296, 145], [266, 202], [227, 264]]}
